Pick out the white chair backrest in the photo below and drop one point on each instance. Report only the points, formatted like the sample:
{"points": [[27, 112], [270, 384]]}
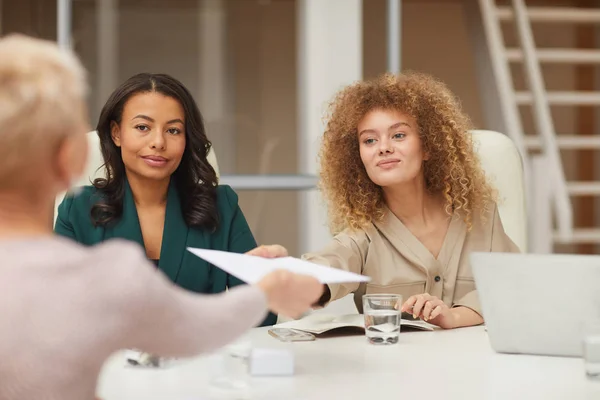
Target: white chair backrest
{"points": [[95, 170], [503, 167], [95, 161]]}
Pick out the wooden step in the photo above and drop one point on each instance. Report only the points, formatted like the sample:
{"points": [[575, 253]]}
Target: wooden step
{"points": [[582, 188], [580, 236], [554, 14], [558, 56], [570, 98], [565, 142]]}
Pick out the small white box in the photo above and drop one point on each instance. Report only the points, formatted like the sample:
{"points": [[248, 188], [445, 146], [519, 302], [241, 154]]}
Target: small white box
{"points": [[271, 362]]}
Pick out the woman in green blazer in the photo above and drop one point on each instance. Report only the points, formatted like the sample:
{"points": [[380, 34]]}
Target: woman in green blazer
{"points": [[159, 190]]}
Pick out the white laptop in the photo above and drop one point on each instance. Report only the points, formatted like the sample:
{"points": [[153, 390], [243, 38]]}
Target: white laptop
{"points": [[537, 304]]}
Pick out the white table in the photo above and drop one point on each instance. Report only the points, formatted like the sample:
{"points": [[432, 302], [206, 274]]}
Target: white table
{"points": [[456, 364]]}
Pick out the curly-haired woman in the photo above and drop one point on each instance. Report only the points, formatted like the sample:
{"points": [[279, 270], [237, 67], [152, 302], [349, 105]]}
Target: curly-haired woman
{"points": [[408, 200]]}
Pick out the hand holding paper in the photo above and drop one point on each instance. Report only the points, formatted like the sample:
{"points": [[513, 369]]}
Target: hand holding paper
{"points": [[269, 251], [251, 269]]}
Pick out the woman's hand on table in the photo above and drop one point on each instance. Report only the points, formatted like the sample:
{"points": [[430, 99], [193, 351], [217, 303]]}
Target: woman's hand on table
{"points": [[430, 309], [436, 312]]}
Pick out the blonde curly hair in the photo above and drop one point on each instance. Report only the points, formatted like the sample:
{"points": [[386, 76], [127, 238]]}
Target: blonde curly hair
{"points": [[453, 169]]}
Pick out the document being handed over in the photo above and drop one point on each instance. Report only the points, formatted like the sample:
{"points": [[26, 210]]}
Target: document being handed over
{"points": [[251, 269]]}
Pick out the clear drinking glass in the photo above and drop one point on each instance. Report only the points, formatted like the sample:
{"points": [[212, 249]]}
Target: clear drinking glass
{"points": [[591, 348], [231, 373], [382, 317]]}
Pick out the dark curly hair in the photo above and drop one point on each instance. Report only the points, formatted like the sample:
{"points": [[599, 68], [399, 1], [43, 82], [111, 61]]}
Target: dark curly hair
{"points": [[453, 169], [195, 178]]}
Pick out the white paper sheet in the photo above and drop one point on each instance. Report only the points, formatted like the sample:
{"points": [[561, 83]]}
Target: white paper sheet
{"points": [[251, 269]]}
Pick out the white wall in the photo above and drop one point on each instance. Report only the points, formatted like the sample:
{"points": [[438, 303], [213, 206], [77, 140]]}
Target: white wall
{"points": [[330, 57]]}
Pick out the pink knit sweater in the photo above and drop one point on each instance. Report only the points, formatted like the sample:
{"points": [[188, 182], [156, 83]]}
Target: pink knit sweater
{"points": [[65, 308]]}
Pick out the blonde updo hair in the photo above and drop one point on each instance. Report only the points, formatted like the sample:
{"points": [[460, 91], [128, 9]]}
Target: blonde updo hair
{"points": [[42, 90]]}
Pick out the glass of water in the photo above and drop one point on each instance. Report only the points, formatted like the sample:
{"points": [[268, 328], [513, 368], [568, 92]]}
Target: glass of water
{"points": [[591, 348], [231, 372], [382, 317]]}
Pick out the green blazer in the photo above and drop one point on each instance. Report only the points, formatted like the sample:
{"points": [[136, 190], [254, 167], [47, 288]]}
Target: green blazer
{"points": [[181, 266]]}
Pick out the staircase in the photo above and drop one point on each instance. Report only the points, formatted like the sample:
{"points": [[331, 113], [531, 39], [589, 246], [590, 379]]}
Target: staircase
{"points": [[552, 192]]}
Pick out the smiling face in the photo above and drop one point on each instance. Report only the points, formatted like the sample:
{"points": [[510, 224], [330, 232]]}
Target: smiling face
{"points": [[390, 147], [151, 135]]}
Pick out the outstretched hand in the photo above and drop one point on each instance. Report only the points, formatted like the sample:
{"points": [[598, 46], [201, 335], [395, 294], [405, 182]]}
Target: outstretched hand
{"points": [[269, 251]]}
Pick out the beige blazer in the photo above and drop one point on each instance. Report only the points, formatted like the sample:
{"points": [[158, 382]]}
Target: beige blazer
{"points": [[399, 263]]}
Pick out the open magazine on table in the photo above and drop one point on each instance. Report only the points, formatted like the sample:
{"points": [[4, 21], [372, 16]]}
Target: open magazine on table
{"points": [[318, 324]]}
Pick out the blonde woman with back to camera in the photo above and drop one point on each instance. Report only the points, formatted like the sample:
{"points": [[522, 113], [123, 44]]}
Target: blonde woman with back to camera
{"points": [[407, 198], [65, 307]]}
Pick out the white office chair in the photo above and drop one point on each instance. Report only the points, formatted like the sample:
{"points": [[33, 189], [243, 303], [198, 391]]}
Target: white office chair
{"points": [[503, 166], [95, 170]]}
